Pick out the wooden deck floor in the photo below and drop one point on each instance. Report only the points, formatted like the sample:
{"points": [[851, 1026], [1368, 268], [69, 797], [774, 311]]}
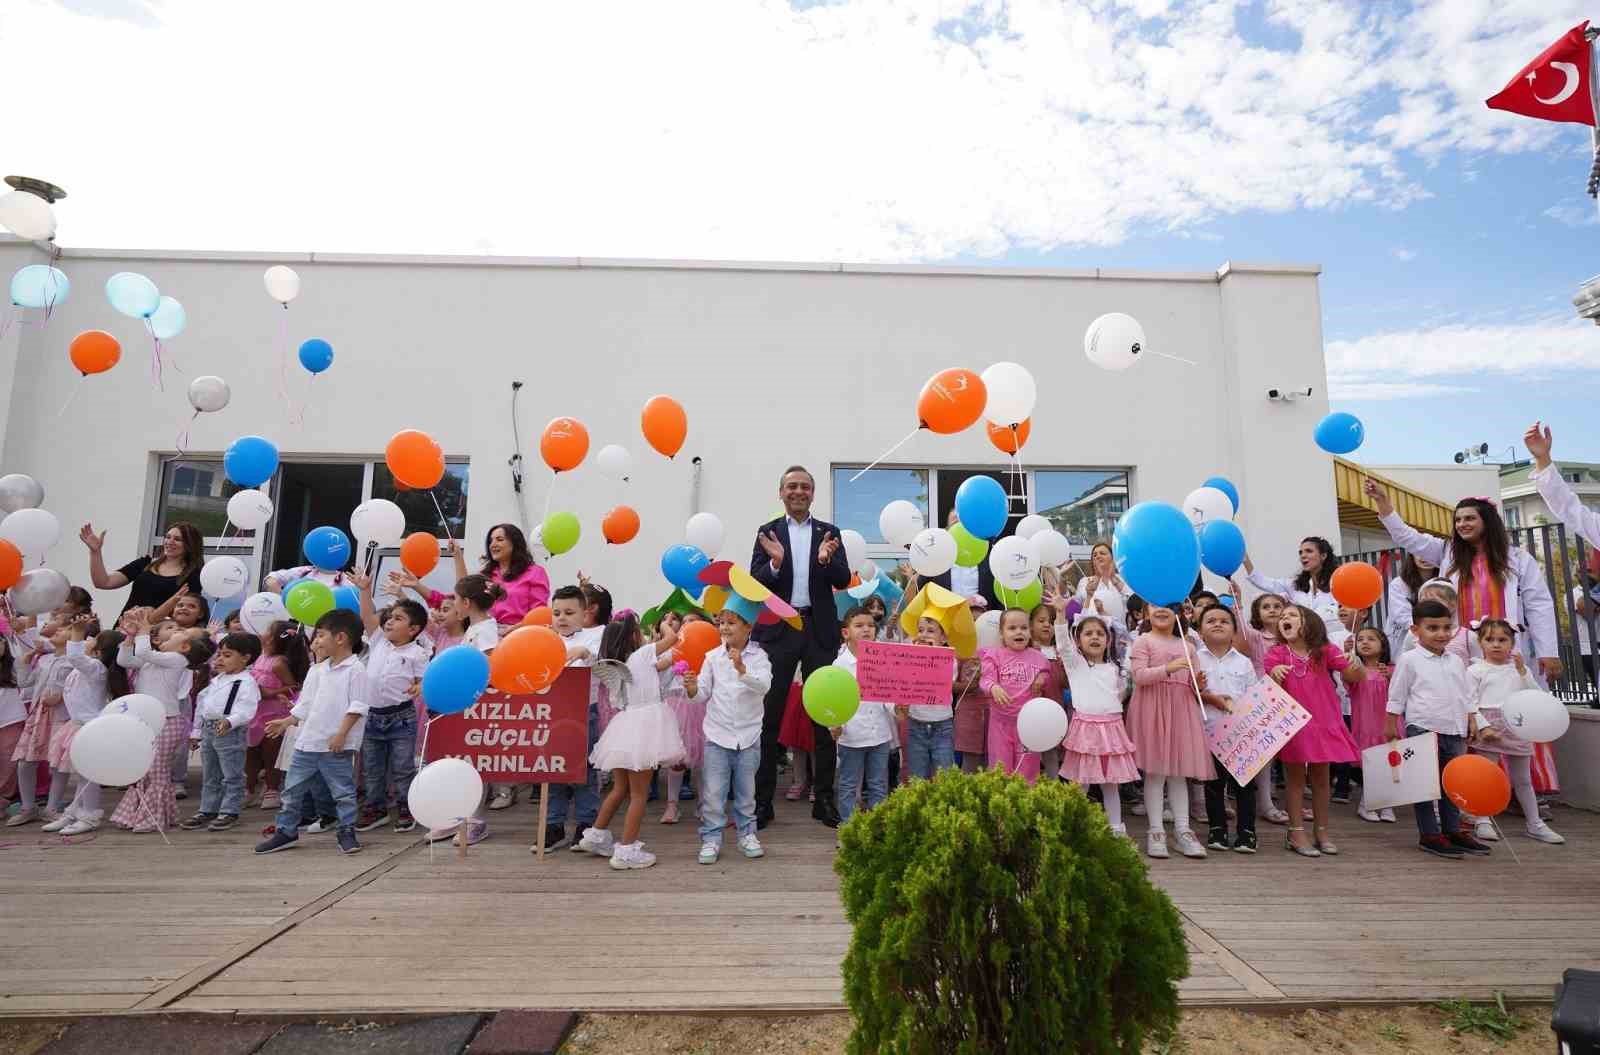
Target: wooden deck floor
{"points": [[127, 922]]}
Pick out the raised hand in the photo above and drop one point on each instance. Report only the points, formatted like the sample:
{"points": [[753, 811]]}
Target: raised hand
{"points": [[1379, 496], [1537, 439], [87, 536], [771, 547], [830, 545], [362, 580]]}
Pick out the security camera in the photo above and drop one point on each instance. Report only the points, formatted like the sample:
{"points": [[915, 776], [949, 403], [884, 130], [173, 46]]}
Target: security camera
{"points": [[1289, 396]]}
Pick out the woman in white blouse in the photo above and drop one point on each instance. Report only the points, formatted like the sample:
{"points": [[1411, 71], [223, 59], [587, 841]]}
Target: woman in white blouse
{"points": [[1310, 587], [1104, 586]]}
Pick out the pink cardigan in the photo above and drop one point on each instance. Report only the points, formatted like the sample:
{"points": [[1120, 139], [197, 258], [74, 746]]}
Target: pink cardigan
{"points": [[523, 594]]}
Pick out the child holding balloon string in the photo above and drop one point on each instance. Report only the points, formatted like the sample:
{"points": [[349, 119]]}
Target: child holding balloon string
{"points": [[395, 660], [1368, 699], [1165, 725], [1042, 624], [93, 681], [1013, 673], [1494, 678], [164, 670]]}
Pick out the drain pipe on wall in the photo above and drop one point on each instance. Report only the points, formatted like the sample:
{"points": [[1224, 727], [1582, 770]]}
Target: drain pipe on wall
{"points": [[694, 485], [515, 461]]}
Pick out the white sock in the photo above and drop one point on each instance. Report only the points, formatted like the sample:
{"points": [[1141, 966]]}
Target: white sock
{"points": [[1178, 792], [1113, 804], [1155, 786]]}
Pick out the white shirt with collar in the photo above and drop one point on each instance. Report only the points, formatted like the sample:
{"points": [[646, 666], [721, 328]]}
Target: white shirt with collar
{"points": [[163, 675], [1230, 674], [1431, 691], [964, 581], [392, 669], [873, 723], [332, 691], [800, 558], [84, 689], [735, 703], [483, 635], [214, 701]]}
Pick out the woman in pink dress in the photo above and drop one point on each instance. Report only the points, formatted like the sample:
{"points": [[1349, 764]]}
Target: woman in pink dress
{"points": [[1304, 664], [509, 563], [1168, 733]]}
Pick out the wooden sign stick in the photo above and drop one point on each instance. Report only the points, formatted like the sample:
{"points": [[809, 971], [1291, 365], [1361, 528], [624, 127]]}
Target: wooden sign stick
{"points": [[544, 806]]}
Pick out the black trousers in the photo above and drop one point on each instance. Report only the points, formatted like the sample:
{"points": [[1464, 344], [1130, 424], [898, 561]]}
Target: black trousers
{"points": [[1216, 805], [792, 650]]}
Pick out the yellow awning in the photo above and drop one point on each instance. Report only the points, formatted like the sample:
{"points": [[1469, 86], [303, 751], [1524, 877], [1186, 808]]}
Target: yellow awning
{"points": [[1415, 508]]}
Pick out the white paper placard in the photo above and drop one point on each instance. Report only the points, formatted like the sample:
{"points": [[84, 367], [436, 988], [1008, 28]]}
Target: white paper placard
{"points": [[1401, 772]]}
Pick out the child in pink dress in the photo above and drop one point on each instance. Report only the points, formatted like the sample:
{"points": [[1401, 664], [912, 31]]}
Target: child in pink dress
{"points": [[1012, 674], [1302, 665], [1168, 732], [1368, 698], [1097, 749], [283, 665]]}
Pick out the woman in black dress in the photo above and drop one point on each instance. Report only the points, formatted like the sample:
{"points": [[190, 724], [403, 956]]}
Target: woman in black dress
{"points": [[154, 579]]}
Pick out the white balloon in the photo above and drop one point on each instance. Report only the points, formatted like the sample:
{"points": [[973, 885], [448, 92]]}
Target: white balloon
{"points": [[536, 546], [1013, 562], [1050, 548], [1012, 394], [18, 491], [147, 709], [855, 548], [899, 522], [705, 532], [615, 461], [27, 216], [224, 577], [445, 793], [989, 630], [1031, 525], [378, 520], [283, 285], [209, 394], [39, 591], [1114, 341], [1536, 716], [868, 570], [33, 531], [113, 750], [933, 551], [1205, 504], [1041, 724], [261, 610], [249, 509]]}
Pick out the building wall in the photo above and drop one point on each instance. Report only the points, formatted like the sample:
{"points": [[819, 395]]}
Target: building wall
{"points": [[778, 364]]}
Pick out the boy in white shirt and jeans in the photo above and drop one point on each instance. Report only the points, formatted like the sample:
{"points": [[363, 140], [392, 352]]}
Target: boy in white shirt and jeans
{"points": [[864, 742], [733, 683], [330, 713], [221, 719], [568, 609]]}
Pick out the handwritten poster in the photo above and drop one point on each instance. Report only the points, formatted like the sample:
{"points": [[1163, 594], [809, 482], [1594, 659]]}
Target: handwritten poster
{"points": [[533, 738], [1400, 773], [914, 675], [1261, 722]]}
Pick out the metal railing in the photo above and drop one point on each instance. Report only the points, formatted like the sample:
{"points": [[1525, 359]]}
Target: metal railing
{"points": [[1564, 559]]}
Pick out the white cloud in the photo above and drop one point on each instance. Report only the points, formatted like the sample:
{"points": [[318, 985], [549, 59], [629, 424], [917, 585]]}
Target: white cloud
{"points": [[1575, 214], [1402, 254], [1457, 358], [889, 129]]}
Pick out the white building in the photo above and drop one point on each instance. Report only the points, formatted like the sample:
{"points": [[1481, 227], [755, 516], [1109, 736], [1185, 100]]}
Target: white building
{"points": [[1520, 499], [816, 364]]}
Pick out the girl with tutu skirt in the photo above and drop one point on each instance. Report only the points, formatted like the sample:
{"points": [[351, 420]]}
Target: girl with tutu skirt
{"points": [[1302, 664], [1494, 678], [1168, 734], [45, 670], [1368, 698], [691, 717], [1097, 749], [643, 735]]}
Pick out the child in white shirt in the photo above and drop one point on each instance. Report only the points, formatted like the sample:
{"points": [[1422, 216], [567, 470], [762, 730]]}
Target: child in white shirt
{"points": [[864, 742], [567, 618], [395, 659], [221, 726], [93, 678], [733, 684]]}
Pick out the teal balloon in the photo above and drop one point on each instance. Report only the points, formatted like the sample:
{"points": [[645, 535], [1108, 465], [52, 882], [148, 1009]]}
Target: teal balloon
{"points": [[831, 696], [39, 286], [133, 294], [1157, 552], [970, 550], [169, 319]]}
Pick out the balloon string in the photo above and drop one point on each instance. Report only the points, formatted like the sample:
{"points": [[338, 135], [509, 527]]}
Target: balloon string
{"points": [[5, 324], [1503, 842], [283, 363], [886, 453], [1177, 358], [442, 519], [550, 493], [71, 396], [155, 356], [183, 437]]}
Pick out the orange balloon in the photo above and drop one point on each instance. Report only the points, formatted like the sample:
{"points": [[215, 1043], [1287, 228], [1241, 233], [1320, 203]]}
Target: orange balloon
{"points": [[94, 352], [564, 444], [527, 659], [1476, 785], [10, 564], [539, 616], [419, 553], [665, 424], [951, 401], [414, 459], [697, 639], [620, 525], [1356, 584], [1009, 441]]}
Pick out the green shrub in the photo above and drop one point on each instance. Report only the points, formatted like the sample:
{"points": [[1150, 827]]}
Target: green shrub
{"points": [[993, 917]]}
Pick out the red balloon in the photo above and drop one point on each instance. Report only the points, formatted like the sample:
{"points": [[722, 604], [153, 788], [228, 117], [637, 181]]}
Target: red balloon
{"points": [[1356, 584], [697, 639]]}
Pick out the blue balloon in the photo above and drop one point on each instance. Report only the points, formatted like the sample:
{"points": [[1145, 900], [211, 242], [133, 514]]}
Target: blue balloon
{"points": [[347, 597], [133, 294], [316, 355], [327, 548], [1221, 547], [39, 286], [283, 594], [1340, 433], [454, 680], [1225, 485], [682, 566], [1157, 551], [250, 461], [1226, 600], [982, 505]]}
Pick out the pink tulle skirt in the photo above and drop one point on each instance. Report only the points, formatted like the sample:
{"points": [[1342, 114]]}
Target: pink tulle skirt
{"points": [[36, 732], [639, 738], [603, 710], [1508, 744], [1169, 738], [60, 754], [691, 727], [258, 725], [1097, 750]]}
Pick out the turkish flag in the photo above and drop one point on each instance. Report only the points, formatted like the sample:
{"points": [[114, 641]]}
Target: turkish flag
{"points": [[1556, 85]]}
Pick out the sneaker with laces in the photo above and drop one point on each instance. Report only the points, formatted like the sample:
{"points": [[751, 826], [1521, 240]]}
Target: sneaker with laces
{"points": [[1544, 833], [1439, 846], [1484, 829], [275, 842], [1188, 845], [1244, 843], [750, 846], [631, 855], [1120, 831], [439, 835], [194, 823], [271, 801], [1217, 839], [554, 839], [223, 822], [347, 841], [709, 852], [597, 841], [371, 819], [1467, 844], [320, 826], [1155, 844], [477, 831], [404, 822]]}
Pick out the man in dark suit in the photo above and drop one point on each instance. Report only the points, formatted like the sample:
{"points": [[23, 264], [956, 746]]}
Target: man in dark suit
{"points": [[799, 558]]}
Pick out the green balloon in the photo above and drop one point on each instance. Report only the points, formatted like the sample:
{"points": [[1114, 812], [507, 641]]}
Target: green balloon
{"points": [[1025, 598], [831, 696], [309, 601], [970, 549], [560, 532]]}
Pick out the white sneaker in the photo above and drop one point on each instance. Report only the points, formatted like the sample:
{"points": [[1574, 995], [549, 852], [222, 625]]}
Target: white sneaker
{"points": [[595, 841], [501, 799], [709, 852], [80, 827], [750, 846], [1386, 815], [316, 828], [1485, 830], [58, 824], [1367, 815], [1156, 844], [1188, 845], [21, 817], [1545, 834], [631, 855]]}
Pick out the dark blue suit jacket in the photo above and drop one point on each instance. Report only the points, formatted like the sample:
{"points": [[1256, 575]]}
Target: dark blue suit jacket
{"points": [[822, 622]]}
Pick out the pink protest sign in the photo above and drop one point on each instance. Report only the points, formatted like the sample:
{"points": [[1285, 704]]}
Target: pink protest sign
{"points": [[1261, 722], [915, 675]]}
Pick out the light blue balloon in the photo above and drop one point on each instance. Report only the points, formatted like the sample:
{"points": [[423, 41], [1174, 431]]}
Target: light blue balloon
{"points": [[133, 294], [982, 505], [1225, 485], [250, 461], [455, 679], [316, 355], [1157, 551], [327, 548], [39, 286], [682, 566], [169, 319], [348, 598], [1340, 433], [1221, 546]]}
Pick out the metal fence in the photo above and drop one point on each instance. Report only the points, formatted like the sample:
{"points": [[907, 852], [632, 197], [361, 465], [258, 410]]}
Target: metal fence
{"points": [[1565, 560]]}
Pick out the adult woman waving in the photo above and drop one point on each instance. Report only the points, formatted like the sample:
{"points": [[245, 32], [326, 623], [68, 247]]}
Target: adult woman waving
{"points": [[1311, 587], [154, 580], [510, 563]]}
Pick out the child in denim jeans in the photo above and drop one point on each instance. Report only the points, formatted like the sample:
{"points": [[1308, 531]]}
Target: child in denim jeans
{"points": [[931, 736], [395, 662], [221, 722], [866, 740], [733, 684]]}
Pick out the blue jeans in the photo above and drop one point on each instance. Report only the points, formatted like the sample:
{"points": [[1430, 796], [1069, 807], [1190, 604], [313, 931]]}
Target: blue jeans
{"points": [[585, 797], [222, 762], [317, 802], [720, 768], [930, 747], [1447, 821], [389, 752], [338, 770], [874, 762]]}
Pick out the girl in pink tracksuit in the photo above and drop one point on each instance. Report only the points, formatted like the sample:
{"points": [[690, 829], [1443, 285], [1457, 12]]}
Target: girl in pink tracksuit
{"points": [[1012, 674]]}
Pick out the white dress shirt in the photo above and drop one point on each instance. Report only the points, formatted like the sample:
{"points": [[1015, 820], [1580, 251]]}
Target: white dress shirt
{"points": [[964, 581], [163, 675], [391, 669], [735, 703], [84, 691], [800, 558], [213, 702], [873, 722], [1230, 674], [1431, 691], [332, 691], [483, 635]]}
